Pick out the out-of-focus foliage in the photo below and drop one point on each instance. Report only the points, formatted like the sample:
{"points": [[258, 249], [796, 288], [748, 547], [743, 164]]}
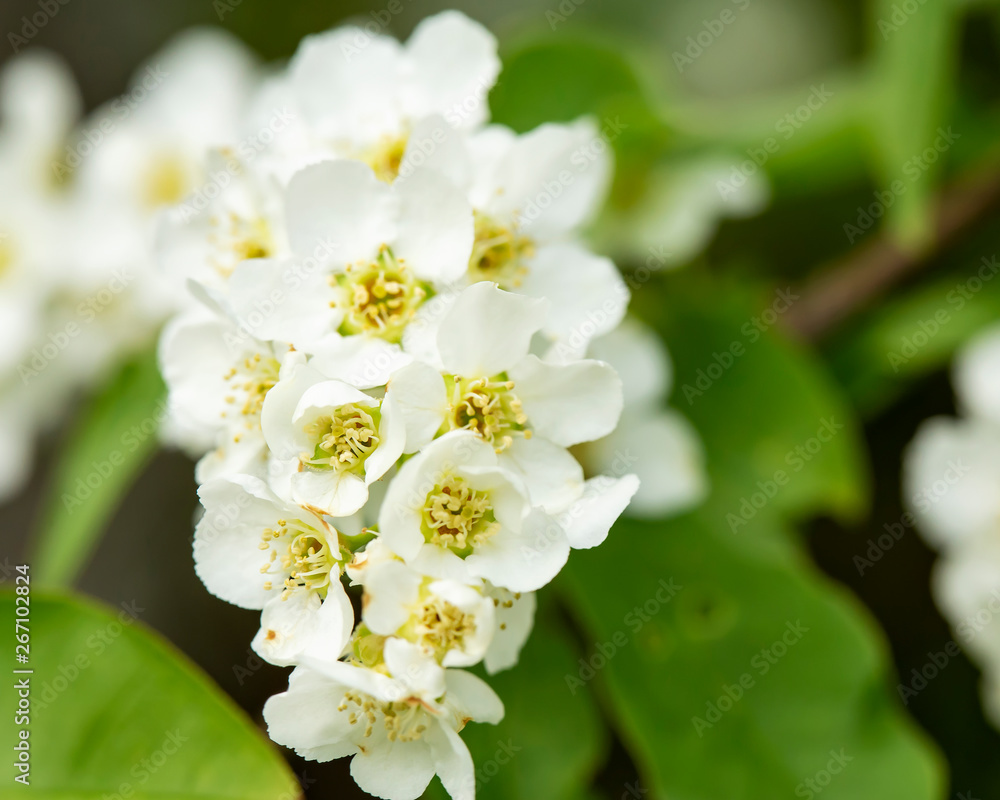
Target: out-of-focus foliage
{"points": [[117, 711], [113, 440]]}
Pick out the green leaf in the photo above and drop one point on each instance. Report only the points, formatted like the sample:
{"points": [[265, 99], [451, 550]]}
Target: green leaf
{"points": [[114, 439], [549, 81], [116, 710], [912, 72], [552, 740], [761, 402], [912, 336], [735, 676]]}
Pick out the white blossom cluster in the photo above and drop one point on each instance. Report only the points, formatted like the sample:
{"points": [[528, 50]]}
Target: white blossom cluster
{"points": [[399, 379], [79, 287], [952, 481], [411, 388]]}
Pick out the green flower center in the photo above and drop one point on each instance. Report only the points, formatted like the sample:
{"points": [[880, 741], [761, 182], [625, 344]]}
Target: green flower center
{"points": [[499, 253], [379, 298], [249, 382], [308, 562], [488, 407], [345, 438], [458, 517]]}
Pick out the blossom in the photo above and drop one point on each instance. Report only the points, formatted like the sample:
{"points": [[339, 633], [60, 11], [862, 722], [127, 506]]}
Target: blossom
{"points": [[257, 551], [341, 439], [450, 621], [399, 724], [367, 256], [453, 512], [218, 379], [362, 95], [484, 380], [952, 480], [655, 443]]}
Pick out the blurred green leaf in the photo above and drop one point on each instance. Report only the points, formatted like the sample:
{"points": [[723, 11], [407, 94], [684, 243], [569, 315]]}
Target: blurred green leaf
{"points": [[761, 403], [912, 72], [116, 711], [912, 336], [551, 742], [735, 676], [113, 440], [559, 81]]}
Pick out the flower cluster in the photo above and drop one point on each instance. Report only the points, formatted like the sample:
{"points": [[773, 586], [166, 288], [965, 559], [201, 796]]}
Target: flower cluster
{"points": [[952, 480], [398, 378], [79, 287]]}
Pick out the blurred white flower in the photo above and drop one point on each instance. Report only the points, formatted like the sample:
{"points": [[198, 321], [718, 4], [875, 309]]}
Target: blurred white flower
{"points": [[951, 478], [654, 442]]}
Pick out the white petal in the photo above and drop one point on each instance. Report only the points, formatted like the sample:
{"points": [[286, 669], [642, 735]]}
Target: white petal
{"points": [[518, 620], [284, 301], [390, 588], [342, 207], [641, 360], [588, 521], [435, 228], [362, 361], [420, 394], [553, 477], [525, 560], [488, 331], [435, 145], [571, 403], [472, 698], [337, 494], [393, 770], [346, 84], [277, 417], [664, 451], [392, 440], [413, 668], [299, 623], [452, 762], [292, 718], [194, 360], [455, 64], [226, 553], [554, 179], [587, 294]]}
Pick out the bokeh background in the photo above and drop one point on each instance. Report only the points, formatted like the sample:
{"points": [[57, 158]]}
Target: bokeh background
{"points": [[787, 226]]}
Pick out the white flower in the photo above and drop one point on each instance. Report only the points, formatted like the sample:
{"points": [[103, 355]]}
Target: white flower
{"points": [[977, 377], [363, 94], [218, 378], [240, 217], [256, 551], [399, 732], [656, 443], [341, 438], [452, 622], [38, 104], [367, 255], [951, 476], [453, 512], [531, 195], [485, 381]]}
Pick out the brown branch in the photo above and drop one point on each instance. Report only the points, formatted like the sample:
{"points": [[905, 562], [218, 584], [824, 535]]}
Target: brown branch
{"points": [[852, 283]]}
